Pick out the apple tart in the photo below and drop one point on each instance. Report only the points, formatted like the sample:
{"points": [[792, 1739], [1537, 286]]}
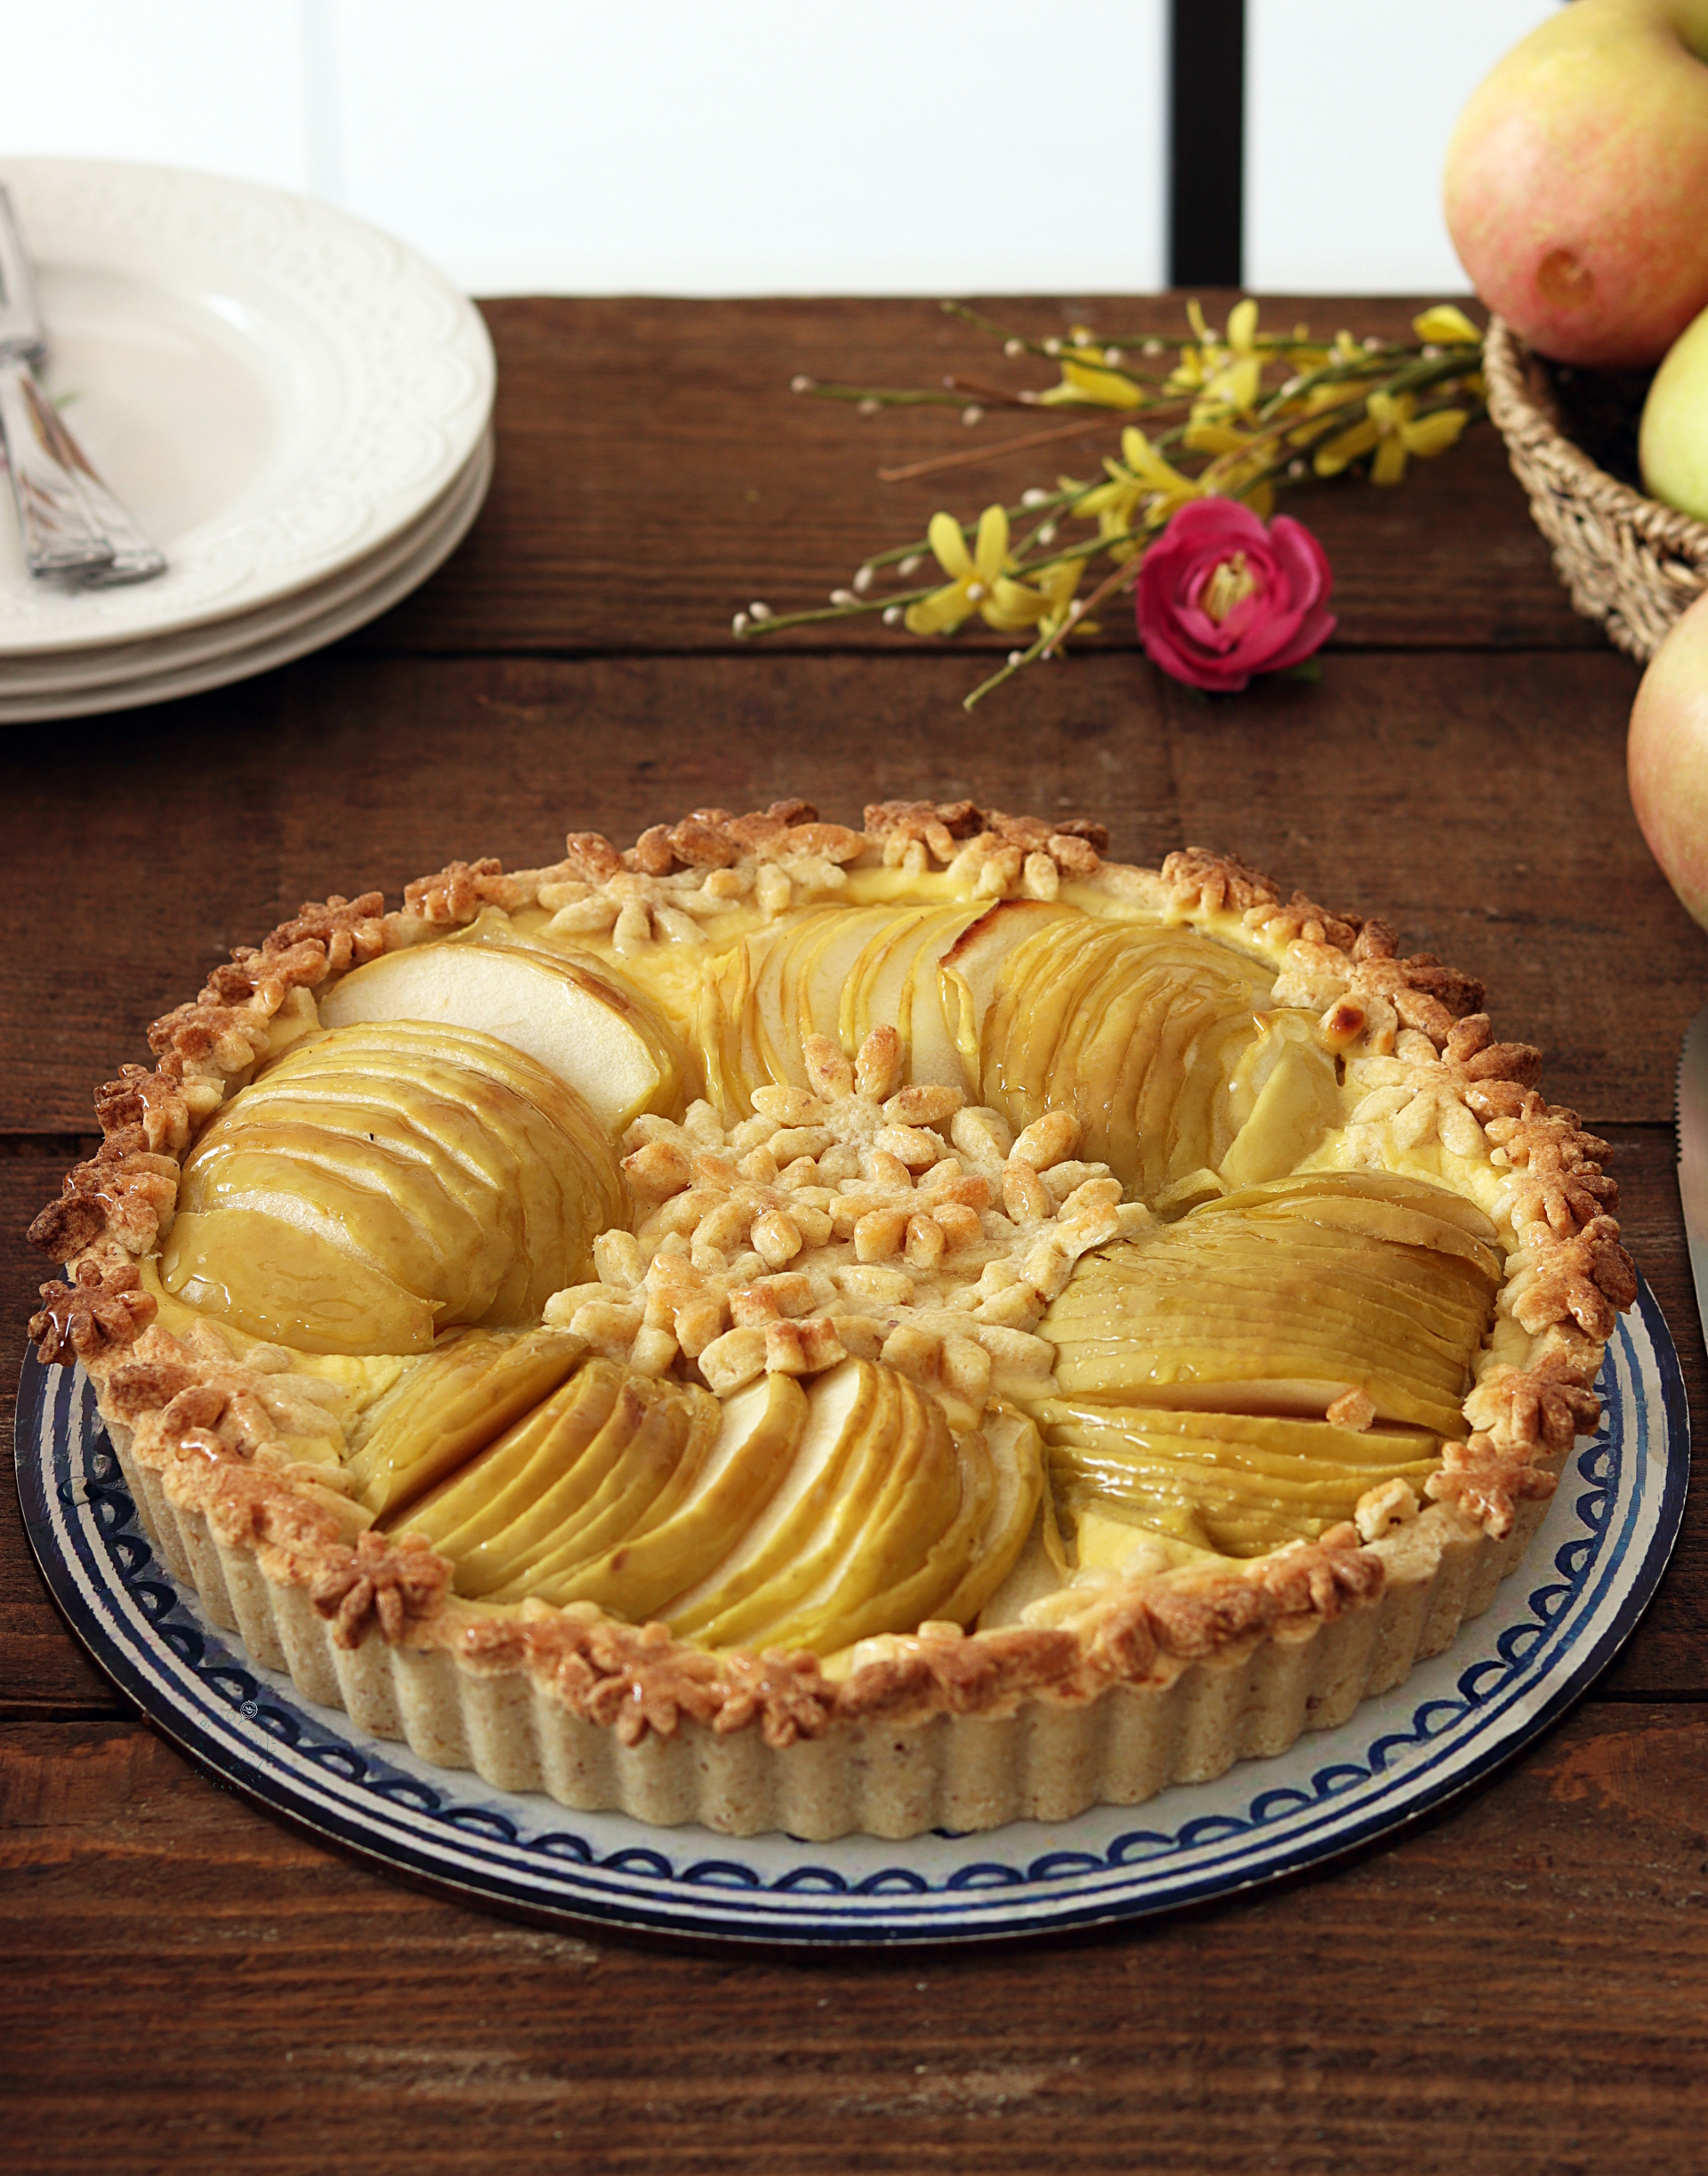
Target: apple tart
{"points": [[790, 1325]]}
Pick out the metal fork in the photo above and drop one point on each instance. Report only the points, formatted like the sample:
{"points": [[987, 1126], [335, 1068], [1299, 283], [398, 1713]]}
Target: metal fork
{"points": [[72, 524]]}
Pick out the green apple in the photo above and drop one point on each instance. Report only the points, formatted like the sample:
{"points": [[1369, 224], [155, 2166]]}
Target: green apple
{"points": [[1673, 445], [1576, 188], [1017, 1462], [269, 1276], [743, 1611], [584, 1491], [659, 1469], [575, 1016], [847, 1405], [1288, 1084], [1138, 1032], [1667, 757]]}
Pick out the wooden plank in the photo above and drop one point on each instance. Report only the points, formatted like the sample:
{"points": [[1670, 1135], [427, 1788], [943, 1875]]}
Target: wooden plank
{"points": [[654, 474], [43, 1671], [1513, 1986], [1477, 800], [1666, 1655]]}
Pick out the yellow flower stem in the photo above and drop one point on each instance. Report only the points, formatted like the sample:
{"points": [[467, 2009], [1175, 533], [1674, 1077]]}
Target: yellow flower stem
{"points": [[1009, 667], [1122, 577], [891, 396], [973, 456], [1284, 425], [834, 611], [1053, 354], [1413, 375], [1055, 501], [1289, 425]]}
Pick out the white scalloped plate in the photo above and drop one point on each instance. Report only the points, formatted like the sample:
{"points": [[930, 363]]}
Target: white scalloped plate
{"points": [[276, 389], [213, 657], [1552, 1627]]}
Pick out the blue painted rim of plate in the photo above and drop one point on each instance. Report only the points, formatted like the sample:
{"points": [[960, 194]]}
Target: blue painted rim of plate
{"points": [[1603, 1547]]}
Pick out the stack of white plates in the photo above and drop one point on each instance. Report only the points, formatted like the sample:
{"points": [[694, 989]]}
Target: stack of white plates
{"points": [[297, 409]]}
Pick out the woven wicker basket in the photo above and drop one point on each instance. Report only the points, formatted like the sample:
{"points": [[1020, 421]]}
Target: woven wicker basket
{"points": [[1627, 562]]}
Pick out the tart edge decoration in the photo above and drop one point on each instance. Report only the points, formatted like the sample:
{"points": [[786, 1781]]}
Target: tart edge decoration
{"points": [[1166, 1676]]}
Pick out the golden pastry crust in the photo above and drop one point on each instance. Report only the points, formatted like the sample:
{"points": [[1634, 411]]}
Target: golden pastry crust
{"points": [[240, 1445]]}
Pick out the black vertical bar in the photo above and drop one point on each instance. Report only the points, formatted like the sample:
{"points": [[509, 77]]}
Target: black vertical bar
{"points": [[1206, 151]]}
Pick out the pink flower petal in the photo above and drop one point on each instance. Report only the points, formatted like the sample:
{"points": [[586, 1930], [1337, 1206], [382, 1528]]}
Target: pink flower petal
{"points": [[1280, 623]]}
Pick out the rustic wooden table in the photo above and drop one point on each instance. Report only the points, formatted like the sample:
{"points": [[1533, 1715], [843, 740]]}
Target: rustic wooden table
{"points": [[1516, 1984]]}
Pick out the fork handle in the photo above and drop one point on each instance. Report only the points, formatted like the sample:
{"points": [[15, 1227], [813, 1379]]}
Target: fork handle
{"points": [[59, 534]]}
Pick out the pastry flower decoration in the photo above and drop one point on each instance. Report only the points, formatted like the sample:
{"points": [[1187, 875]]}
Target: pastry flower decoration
{"points": [[1229, 418], [857, 1216]]}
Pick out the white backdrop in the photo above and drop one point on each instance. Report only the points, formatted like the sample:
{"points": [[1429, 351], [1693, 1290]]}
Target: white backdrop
{"points": [[727, 146]]}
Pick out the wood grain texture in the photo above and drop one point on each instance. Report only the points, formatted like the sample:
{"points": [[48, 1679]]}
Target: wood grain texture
{"points": [[1477, 801], [1513, 1987], [654, 474], [43, 1670]]}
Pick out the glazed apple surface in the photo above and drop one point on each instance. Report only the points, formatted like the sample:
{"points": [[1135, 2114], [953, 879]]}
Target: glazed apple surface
{"points": [[1158, 1042], [807, 1517], [595, 1032], [378, 1184]]}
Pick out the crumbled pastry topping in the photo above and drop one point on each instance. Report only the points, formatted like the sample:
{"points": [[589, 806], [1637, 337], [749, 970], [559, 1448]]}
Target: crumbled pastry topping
{"points": [[1588, 1277], [1422, 1093], [860, 1216], [150, 1102], [1391, 1503], [98, 1312], [1486, 1483], [193, 1394], [913, 1675], [677, 876], [1425, 994], [1127, 1626], [1558, 1181], [463, 890], [1216, 883], [1547, 1406], [124, 1189], [636, 1680], [997, 856], [393, 1582]]}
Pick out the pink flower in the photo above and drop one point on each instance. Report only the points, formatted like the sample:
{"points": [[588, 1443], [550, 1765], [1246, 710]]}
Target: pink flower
{"points": [[1220, 597]]}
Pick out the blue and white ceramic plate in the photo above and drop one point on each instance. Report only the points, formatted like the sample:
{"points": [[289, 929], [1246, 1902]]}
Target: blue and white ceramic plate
{"points": [[1609, 1530]]}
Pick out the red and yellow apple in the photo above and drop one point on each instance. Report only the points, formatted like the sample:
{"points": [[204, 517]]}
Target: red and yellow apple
{"points": [[1668, 758], [1577, 182]]}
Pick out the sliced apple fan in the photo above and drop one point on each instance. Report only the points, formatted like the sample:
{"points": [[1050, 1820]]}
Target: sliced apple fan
{"points": [[1203, 1368]]}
